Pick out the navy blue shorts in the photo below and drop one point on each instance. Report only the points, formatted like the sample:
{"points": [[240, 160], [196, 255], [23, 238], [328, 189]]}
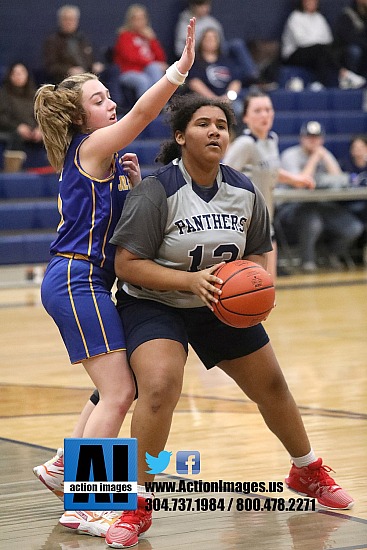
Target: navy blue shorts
{"points": [[77, 295], [212, 340]]}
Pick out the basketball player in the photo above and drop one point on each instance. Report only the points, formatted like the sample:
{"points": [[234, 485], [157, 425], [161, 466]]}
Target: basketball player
{"points": [[198, 212], [190, 206], [82, 134], [256, 154]]}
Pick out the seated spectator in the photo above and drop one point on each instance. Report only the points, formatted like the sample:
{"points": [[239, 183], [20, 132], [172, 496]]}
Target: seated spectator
{"points": [[356, 165], [138, 53], [356, 162], [307, 41], [212, 74], [17, 122], [68, 51], [256, 154], [307, 222], [247, 70], [351, 36]]}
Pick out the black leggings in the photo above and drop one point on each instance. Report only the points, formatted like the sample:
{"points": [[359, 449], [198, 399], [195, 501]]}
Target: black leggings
{"points": [[320, 59]]}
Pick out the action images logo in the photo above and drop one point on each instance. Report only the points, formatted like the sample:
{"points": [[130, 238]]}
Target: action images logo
{"points": [[100, 474]]}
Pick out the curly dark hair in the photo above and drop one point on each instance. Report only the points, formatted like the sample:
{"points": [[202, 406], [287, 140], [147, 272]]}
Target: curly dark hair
{"points": [[178, 115]]}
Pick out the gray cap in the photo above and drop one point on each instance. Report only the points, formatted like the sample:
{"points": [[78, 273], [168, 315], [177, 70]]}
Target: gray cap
{"points": [[312, 128]]}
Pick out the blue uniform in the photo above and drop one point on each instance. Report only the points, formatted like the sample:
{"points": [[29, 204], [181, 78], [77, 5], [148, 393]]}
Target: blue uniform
{"points": [[76, 290]]}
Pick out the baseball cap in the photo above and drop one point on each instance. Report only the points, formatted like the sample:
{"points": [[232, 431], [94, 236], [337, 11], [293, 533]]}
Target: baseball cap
{"points": [[312, 128]]}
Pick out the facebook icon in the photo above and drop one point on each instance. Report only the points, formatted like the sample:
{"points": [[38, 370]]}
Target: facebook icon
{"points": [[188, 462]]}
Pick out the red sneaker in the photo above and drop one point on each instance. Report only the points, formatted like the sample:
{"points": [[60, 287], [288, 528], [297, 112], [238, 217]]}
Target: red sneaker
{"points": [[125, 531], [314, 481]]}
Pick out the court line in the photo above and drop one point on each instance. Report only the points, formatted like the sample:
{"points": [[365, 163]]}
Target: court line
{"points": [[314, 411]]}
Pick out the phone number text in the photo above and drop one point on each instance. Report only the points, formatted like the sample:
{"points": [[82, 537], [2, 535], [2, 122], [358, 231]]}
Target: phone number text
{"points": [[212, 504]]}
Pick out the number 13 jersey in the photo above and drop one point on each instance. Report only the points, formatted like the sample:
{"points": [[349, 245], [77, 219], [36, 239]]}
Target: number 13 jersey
{"points": [[170, 219]]}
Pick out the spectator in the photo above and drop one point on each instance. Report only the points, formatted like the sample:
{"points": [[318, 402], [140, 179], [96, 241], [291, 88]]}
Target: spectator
{"points": [[247, 71], [68, 51], [138, 53], [308, 221], [212, 74], [356, 165], [256, 154], [351, 36], [307, 41], [356, 162], [17, 121]]}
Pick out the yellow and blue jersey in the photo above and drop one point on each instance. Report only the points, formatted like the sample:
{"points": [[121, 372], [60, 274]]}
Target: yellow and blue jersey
{"points": [[89, 209], [76, 288]]}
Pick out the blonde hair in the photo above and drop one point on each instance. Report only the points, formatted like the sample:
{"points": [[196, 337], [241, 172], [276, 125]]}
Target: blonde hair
{"points": [[60, 115], [130, 12]]}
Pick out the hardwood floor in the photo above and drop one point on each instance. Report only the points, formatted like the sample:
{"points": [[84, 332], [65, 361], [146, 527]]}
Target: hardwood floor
{"points": [[318, 330]]}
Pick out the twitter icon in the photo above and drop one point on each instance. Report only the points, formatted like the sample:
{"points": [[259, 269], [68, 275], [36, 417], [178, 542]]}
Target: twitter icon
{"points": [[158, 464]]}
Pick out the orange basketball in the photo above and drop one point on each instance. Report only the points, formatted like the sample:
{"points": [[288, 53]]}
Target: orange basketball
{"points": [[248, 294]]}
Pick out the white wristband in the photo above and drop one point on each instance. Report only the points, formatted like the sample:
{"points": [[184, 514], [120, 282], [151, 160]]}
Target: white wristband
{"points": [[174, 76]]}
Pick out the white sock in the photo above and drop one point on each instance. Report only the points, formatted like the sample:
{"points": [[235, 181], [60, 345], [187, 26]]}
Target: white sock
{"points": [[302, 461], [143, 493]]}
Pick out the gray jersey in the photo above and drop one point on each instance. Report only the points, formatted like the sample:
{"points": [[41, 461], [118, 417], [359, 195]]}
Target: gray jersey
{"points": [[259, 160], [178, 224]]}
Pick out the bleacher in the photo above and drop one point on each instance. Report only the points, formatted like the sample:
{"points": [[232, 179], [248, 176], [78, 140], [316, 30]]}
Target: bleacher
{"points": [[28, 201], [28, 217], [340, 111]]}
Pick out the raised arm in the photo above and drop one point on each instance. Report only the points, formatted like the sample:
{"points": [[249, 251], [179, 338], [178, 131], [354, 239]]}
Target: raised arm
{"points": [[105, 141]]}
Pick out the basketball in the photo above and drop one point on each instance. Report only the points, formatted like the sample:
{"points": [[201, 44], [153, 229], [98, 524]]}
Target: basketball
{"points": [[248, 294]]}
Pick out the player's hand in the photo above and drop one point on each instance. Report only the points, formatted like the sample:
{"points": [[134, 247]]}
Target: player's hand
{"points": [[186, 60], [202, 284], [130, 164]]}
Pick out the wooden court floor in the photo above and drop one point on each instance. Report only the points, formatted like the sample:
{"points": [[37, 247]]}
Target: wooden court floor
{"points": [[318, 330]]}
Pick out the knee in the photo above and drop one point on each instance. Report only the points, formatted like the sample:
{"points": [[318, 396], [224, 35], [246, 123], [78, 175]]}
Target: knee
{"points": [[357, 229], [123, 400], [276, 389], [162, 393], [313, 227]]}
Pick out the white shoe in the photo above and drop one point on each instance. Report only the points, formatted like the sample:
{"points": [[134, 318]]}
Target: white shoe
{"points": [[309, 267], [51, 474], [316, 86], [89, 523], [351, 80], [295, 84]]}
